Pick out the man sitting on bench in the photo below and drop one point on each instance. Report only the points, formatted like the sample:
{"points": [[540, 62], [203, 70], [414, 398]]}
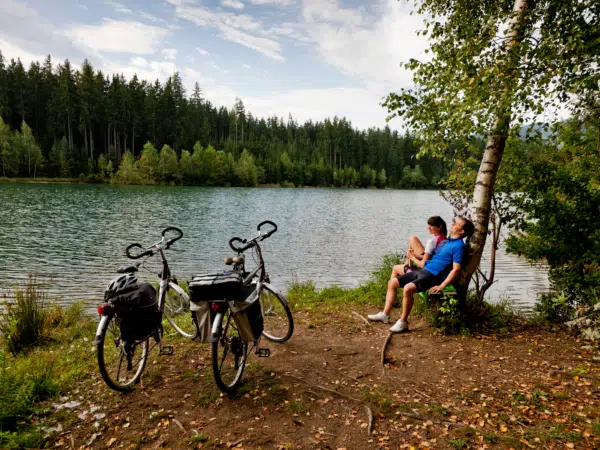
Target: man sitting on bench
{"points": [[438, 273]]}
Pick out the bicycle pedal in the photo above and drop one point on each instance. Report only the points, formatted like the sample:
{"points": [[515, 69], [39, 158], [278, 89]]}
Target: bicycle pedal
{"points": [[167, 350], [263, 352]]}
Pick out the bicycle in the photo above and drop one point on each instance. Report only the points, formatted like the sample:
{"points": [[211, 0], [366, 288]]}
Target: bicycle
{"points": [[113, 348], [279, 323], [231, 337]]}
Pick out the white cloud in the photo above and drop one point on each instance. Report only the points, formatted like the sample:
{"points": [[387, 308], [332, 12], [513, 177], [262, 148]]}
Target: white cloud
{"points": [[271, 2], [17, 10], [360, 47], [170, 53], [144, 68], [232, 27], [246, 66], [266, 46], [150, 17], [361, 106], [203, 52], [119, 7], [118, 36], [235, 4]]}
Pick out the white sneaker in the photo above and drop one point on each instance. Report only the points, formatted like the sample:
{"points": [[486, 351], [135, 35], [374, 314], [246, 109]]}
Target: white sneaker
{"points": [[400, 327], [379, 317]]}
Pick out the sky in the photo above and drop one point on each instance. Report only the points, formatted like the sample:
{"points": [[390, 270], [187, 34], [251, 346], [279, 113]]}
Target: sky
{"points": [[312, 59]]}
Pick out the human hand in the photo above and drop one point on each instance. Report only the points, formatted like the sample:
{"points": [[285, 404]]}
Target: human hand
{"points": [[435, 289]]}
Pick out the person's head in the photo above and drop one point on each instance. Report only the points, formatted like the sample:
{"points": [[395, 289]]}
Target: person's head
{"points": [[462, 228], [437, 226]]}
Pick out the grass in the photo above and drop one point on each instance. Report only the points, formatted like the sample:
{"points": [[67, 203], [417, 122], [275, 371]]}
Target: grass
{"points": [[45, 350], [459, 443], [305, 296], [23, 326]]}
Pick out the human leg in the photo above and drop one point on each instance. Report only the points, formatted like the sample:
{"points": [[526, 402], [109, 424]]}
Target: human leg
{"points": [[390, 299], [390, 296], [397, 270], [408, 293]]}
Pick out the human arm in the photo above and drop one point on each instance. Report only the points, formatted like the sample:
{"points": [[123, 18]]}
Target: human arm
{"points": [[449, 279], [416, 260]]}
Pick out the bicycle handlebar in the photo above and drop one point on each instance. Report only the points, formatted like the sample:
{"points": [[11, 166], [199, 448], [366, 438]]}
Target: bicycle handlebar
{"points": [[175, 239], [269, 233], [150, 252], [252, 242]]}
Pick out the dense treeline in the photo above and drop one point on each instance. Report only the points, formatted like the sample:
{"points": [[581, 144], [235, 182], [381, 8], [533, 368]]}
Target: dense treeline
{"points": [[61, 122]]}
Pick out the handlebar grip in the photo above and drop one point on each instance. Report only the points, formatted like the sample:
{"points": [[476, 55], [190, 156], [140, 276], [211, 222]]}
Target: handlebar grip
{"points": [[267, 222], [233, 247], [175, 239], [136, 245]]}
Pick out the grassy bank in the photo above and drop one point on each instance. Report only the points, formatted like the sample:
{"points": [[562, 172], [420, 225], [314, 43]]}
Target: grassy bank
{"points": [[45, 349]]}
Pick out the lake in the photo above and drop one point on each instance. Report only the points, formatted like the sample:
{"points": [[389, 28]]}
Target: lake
{"points": [[75, 235]]}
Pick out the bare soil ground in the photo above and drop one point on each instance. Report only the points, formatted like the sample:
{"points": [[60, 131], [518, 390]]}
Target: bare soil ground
{"points": [[529, 389]]}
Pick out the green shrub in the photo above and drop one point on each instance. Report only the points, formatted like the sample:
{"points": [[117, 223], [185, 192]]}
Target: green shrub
{"points": [[555, 307], [23, 326]]}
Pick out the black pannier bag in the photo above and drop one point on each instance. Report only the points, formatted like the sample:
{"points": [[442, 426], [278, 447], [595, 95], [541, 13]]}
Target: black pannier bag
{"points": [[138, 312], [216, 286]]}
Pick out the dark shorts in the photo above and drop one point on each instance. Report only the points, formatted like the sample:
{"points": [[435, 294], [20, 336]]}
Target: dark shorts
{"points": [[422, 279]]}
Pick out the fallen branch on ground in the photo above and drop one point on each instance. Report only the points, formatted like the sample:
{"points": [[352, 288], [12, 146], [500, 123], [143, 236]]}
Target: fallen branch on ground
{"points": [[425, 419], [362, 318], [323, 388], [370, 416], [385, 344]]}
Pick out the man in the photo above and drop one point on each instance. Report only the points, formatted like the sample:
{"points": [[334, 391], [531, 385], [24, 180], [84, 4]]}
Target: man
{"points": [[437, 273]]}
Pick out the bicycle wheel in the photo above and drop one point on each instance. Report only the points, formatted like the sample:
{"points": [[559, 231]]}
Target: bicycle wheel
{"points": [[177, 311], [229, 355], [112, 358], [279, 324]]}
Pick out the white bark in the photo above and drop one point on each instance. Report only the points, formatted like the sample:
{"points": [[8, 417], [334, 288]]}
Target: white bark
{"points": [[492, 157]]}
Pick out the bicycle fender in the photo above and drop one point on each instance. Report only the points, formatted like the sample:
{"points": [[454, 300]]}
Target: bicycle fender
{"points": [[101, 328], [283, 299], [216, 328]]}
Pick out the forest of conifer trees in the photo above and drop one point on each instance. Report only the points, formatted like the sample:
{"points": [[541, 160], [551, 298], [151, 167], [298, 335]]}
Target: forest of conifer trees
{"points": [[56, 121]]}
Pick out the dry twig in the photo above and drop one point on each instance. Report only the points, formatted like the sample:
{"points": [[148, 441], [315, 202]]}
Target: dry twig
{"points": [[385, 344], [370, 416], [323, 388], [362, 318]]}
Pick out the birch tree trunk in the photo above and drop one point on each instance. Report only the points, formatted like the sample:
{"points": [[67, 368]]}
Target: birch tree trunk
{"points": [[492, 157]]}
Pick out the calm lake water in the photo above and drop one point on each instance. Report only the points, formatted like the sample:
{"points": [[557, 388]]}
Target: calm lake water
{"points": [[75, 235]]}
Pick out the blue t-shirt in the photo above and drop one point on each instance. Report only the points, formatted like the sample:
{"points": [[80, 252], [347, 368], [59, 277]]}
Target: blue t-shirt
{"points": [[447, 253]]}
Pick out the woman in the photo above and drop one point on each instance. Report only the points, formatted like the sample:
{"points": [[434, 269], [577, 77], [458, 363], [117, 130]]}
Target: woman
{"points": [[417, 254]]}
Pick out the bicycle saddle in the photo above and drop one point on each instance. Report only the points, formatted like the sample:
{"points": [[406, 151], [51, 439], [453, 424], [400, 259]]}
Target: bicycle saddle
{"points": [[129, 269], [235, 260]]}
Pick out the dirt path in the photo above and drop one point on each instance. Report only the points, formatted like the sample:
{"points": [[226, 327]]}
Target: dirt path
{"points": [[534, 389]]}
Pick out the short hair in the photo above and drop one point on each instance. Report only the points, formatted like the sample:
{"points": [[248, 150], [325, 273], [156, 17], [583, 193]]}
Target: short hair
{"points": [[437, 221], [468, 227]]}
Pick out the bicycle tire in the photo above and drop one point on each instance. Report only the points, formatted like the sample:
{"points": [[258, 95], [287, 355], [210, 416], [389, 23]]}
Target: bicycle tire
{"points": [[177, 306], [106, 350], [229, 339], [277, 316]]}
